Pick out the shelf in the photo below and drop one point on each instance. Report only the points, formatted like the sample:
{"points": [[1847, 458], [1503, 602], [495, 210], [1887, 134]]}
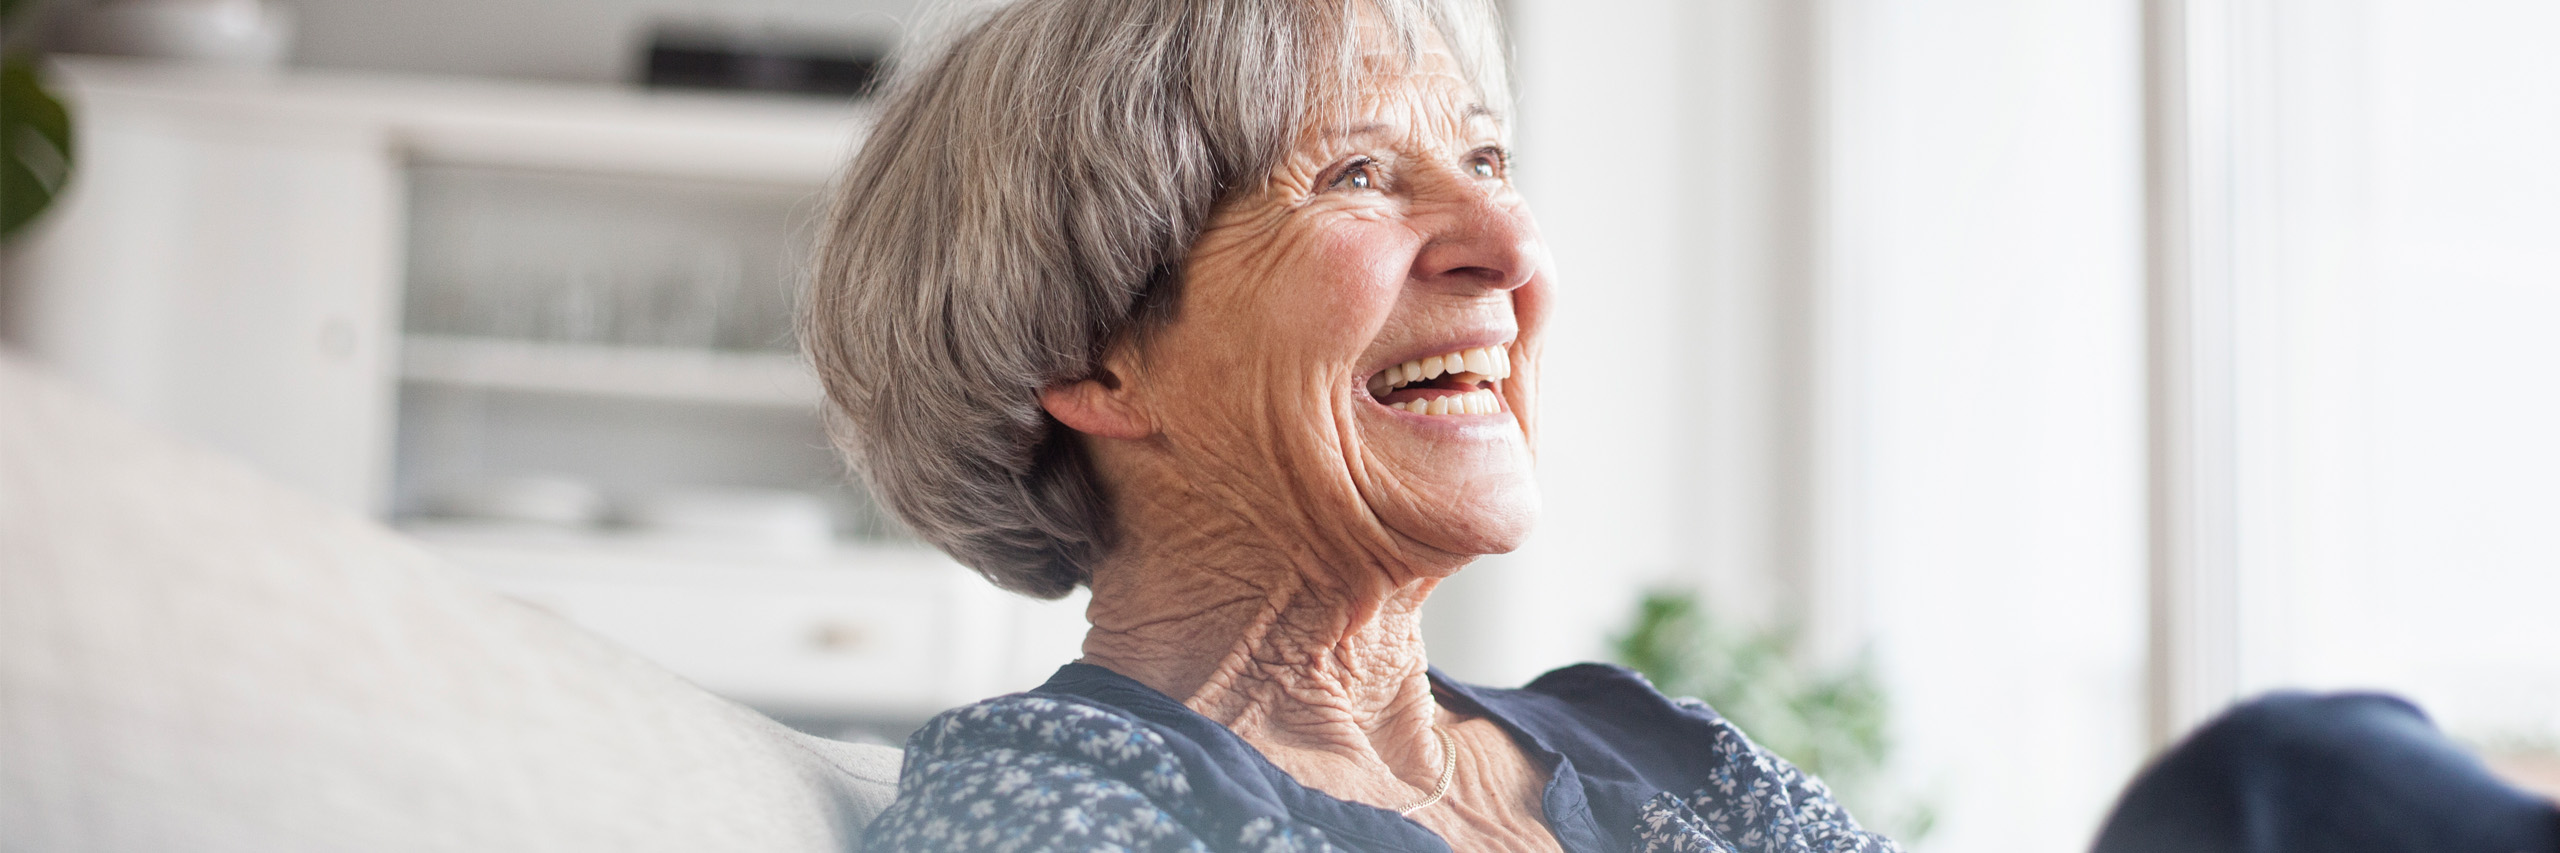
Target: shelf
{"points": [[653, 373], [781, 140]]}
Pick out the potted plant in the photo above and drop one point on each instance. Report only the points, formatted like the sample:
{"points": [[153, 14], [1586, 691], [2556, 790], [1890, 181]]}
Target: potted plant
{"points": [[35, 128], [1830, 721]]}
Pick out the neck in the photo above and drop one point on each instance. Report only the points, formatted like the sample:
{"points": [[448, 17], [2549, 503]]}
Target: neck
{"points": [[1290, 657]]}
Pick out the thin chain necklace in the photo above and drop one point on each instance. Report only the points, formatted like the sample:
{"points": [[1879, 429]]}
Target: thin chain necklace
{"points": [[1448, 771]]}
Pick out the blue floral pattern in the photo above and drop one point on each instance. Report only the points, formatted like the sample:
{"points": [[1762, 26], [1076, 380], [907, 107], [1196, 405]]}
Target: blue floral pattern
{"points": [[1029, 772], [1753, 801]]}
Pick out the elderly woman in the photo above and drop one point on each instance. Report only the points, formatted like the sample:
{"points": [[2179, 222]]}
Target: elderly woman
{"points": [[1229, 310]]}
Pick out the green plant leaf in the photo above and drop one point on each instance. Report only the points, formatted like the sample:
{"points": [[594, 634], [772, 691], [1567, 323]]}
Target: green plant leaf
{"points": [[35, 144], [1831, 721]]}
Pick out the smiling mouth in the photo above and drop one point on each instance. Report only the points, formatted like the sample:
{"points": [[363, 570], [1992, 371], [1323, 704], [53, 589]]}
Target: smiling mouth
{"points": [[1458, 383]]}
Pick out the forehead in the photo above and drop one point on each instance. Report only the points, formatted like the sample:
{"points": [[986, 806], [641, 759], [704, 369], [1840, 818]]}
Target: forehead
{"points": [[1408, 84]]}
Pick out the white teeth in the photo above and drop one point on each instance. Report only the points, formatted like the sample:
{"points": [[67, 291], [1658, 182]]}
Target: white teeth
{"points": [[1481, 401], [1491, 362]]}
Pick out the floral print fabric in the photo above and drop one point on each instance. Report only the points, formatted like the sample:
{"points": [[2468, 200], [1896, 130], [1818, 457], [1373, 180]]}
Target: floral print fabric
{"points": [[1032, 772]]}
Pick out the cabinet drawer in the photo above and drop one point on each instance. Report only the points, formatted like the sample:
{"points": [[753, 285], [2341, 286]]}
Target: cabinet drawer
{"points": [[805, 650], [901, 636]]}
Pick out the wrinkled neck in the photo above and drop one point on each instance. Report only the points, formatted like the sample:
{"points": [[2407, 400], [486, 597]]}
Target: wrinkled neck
{"points": [[1289, 656]]}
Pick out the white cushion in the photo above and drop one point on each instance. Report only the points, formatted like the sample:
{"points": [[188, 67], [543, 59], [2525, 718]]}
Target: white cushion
{"points": [[192, 658]]}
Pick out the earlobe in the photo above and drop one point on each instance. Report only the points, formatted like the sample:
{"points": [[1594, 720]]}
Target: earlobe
{"points": [[1098, 406]]}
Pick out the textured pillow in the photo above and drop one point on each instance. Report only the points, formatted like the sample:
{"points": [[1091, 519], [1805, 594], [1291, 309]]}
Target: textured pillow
{"points": [[192, 658]]}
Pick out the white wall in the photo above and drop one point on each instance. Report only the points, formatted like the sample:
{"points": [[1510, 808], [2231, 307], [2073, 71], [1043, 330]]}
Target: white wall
{"points": [[1986, 352], [2395, 350]]}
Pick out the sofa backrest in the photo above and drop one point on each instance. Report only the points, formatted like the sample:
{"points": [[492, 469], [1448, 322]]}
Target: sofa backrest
{"points": [[192, 658]]}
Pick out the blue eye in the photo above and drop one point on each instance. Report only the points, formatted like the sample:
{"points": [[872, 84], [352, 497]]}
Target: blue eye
{"points": [[1488, 163]]}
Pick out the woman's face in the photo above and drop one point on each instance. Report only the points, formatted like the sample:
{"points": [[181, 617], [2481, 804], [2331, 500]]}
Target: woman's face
{"points": [[1356, 346]]}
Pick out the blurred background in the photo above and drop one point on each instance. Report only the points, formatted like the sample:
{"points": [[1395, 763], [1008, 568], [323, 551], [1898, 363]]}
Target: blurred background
{"points": [[2011, 383]]}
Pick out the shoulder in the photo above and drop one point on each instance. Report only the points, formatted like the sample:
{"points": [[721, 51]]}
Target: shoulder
{"points": [[1045, 772], [1709, 774], [1022, 724], [1613, 724], [1611, 685], [1033, 772], [1620, 701]]}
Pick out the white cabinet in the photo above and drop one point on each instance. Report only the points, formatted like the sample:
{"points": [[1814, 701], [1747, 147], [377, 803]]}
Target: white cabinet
{"points": [[392, 291], [228, 270]]}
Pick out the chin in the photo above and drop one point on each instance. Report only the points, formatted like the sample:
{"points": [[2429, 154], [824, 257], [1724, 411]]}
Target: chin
{"points": [[1458, 485], [1495, 518]]}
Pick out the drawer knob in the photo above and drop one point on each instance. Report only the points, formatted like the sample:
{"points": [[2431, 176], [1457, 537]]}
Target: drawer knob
{"points": [[835, 637]]}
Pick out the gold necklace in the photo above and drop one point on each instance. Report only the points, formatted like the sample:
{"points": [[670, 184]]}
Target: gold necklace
{"points": [[1448, 771]]}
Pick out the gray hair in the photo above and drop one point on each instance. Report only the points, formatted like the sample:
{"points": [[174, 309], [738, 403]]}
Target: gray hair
{"points": [[1027, 196]]}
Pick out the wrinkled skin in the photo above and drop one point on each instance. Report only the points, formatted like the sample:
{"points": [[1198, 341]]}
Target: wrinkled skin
{"points": [[1278, 527]]}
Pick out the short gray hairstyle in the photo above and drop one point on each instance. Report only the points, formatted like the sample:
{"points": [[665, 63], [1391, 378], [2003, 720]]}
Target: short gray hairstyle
{"points": [[1026, 197]]}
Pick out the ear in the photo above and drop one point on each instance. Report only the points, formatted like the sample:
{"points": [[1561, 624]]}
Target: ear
{"points": [[1101, 405]]}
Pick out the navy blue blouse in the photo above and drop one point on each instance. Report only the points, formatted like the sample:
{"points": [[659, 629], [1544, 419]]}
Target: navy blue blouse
{"points": [[1094, 760]]}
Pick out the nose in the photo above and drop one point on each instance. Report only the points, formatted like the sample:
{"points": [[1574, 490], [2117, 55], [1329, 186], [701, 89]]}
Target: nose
{"points": [[1478, 236]]}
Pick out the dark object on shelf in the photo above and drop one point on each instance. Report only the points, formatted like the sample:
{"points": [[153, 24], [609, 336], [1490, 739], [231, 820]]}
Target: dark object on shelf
{"points": [[690, 58]]}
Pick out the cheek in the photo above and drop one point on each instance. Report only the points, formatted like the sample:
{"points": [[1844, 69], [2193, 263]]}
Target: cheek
{"points": [[1294, 303], [1352, 276]]}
